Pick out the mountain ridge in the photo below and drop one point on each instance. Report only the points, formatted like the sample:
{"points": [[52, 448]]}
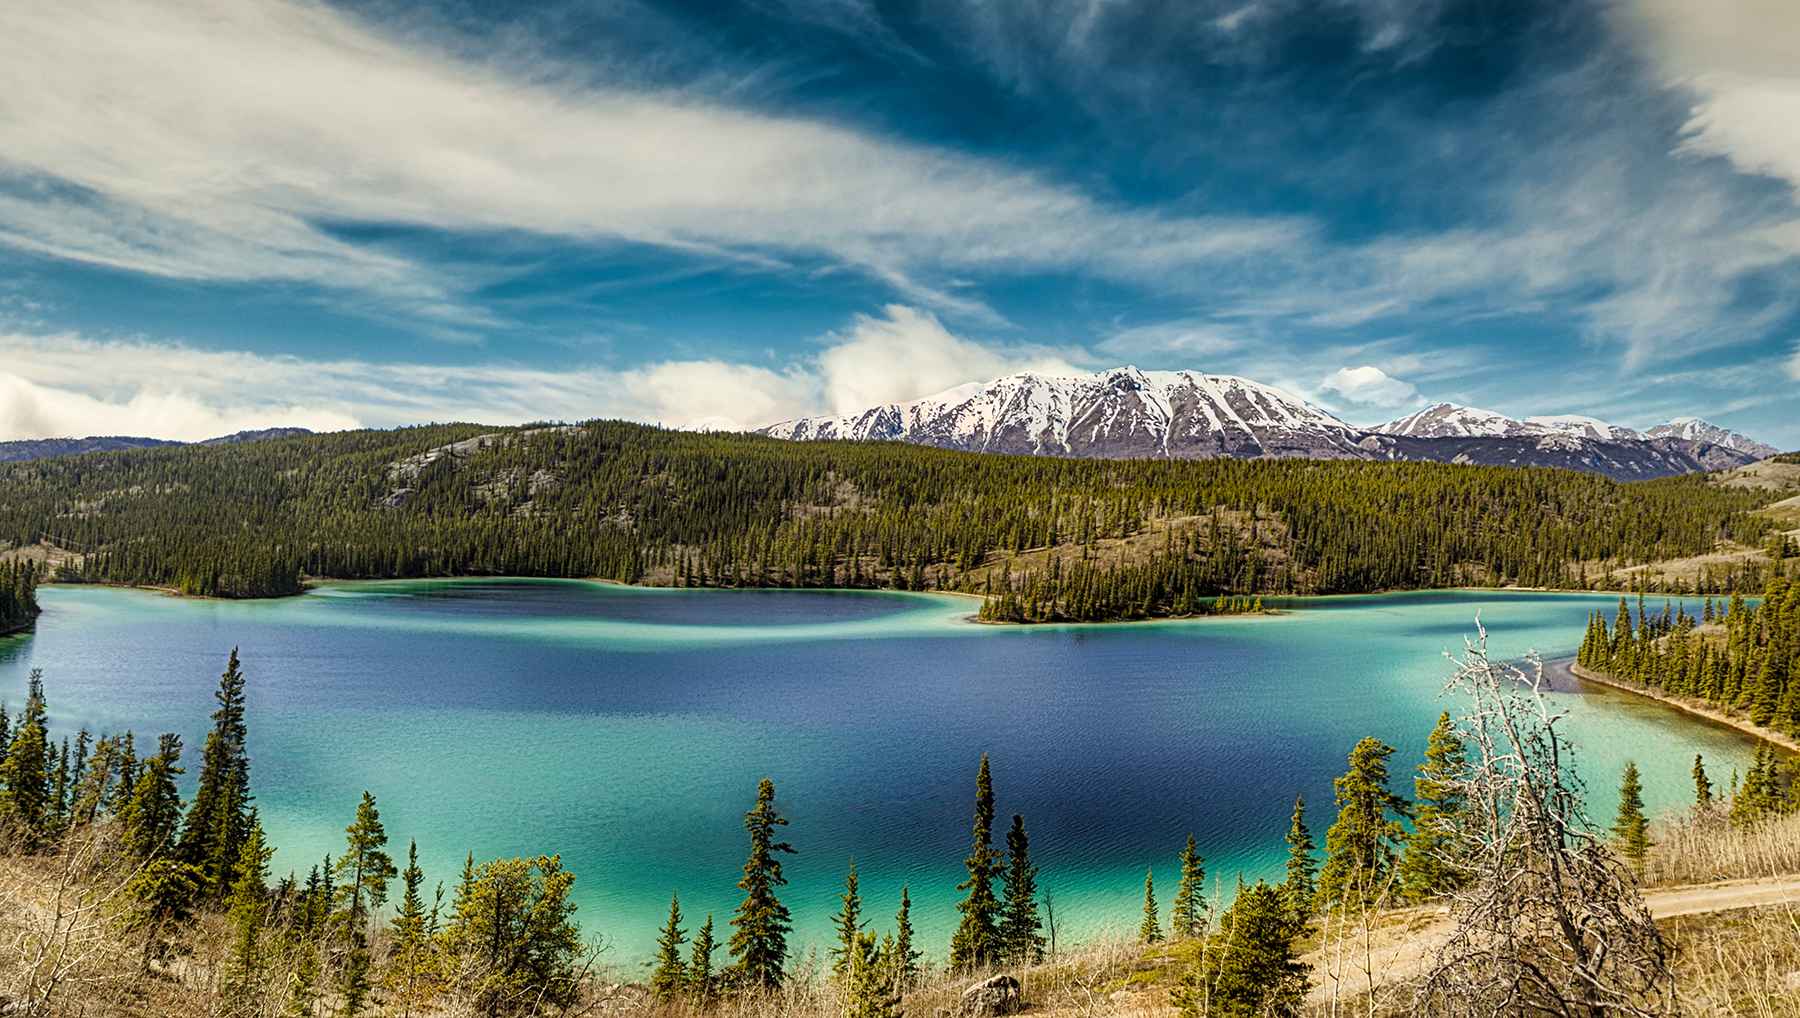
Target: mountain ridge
{"points": [[21, 450], [1126, 412]]}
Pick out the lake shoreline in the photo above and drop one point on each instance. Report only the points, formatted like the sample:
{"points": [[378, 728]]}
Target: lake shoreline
{"points": [[310, 582], [1685, 705]]}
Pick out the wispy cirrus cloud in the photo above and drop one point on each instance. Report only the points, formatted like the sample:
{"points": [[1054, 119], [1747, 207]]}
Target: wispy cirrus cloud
{"points": [[214, 139]]}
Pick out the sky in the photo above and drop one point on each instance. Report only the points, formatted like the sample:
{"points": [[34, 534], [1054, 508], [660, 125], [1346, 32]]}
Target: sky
{"points": [[227, 214]]}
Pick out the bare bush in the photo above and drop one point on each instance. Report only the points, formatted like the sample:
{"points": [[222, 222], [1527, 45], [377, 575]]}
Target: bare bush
{"points": [[64, 924], [1552, 922]]}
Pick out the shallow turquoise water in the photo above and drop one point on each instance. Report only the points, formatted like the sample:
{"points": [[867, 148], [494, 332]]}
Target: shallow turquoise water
{"points": [[627, 728]]}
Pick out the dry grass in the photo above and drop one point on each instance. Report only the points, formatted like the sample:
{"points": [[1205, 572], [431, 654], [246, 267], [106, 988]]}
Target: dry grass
{"points": [[1702, 846]]}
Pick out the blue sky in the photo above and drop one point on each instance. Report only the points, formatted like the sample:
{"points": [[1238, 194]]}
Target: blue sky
{"points": [[218, 214]]}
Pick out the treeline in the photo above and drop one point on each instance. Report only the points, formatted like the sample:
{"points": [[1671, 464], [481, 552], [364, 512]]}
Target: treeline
{"points": [[1742, 658], [639, 504], [18, 595]]}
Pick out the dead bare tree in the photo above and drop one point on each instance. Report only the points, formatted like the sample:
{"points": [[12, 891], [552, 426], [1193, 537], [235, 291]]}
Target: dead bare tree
{"points": [[1550, 923]]}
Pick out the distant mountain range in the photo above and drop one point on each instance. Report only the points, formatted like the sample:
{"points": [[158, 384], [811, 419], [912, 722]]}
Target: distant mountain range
{"points": [[1126, 412], [45, 448]]}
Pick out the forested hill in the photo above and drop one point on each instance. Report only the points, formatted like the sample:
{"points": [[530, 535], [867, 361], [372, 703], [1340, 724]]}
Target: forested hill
{"points": [[1053, 538]]}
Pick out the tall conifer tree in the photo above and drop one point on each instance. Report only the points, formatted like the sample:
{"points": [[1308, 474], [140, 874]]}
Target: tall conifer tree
{"points": [[1150, 930], [669, 978], [217, 822], [1187, 917], [1021, 939], [1630, 826], [759, 944], [1360, 845], [976, 941], [1432, 865], [848, 922], [1301, 888]]}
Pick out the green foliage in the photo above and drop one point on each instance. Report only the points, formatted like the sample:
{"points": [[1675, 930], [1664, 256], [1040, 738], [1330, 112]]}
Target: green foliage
{"points": [[759, 943], [1300, 889], [1703, 788], [868, 982], [410, 927], [512, 939], [1746, 661], [976, 942], [1251, 968], [1433, 864], [904, 957], [1150, 929], [1630, 826], [848, 922], [1020, 930], [1188, 915], [218, 818], [25, 780], [1360, 845], [700, 980], [149, 820], [635, 503], [247, 912], [18, 596], [669, 977]]}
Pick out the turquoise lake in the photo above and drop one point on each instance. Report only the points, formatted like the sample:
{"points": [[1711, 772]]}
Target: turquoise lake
{"points": [[627, 728]]}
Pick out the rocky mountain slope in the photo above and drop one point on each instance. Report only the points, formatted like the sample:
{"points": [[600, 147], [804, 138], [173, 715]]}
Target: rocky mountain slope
{"points": [[1126, 412]]}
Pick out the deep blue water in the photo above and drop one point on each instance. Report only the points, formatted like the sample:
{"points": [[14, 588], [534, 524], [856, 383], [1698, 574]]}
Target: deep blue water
{"points": [[626, 729]]}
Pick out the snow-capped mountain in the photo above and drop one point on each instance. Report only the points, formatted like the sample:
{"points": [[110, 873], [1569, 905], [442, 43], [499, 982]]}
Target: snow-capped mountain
{"points": [[1119, 413], [1448, 420], [1693, 429], [1126, 413], [1581, 427]]}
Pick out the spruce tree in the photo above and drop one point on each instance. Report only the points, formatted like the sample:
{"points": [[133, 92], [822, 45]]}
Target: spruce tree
{"points": [[150, 818], [868, 991], [976, 941], [700, 965], [1301, 888], [247, 913], [759, 944], [25, 779], [1360, 845], [1187, 917], [669, 978], [1432, 864], [366, 869], [1703, 791], [1630, 827], [1150, 930], [1252, 966], [906, 957], [217, 822], [409, 927], [1021, 939], [848, 922]]}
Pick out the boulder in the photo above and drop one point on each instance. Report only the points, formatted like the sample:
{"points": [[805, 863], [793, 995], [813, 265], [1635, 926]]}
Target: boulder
{"points": [[996, 995]]}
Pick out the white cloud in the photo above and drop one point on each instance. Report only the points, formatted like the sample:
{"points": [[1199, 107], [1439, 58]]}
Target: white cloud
{"points": [[1371, 386], [1738, 59], [59, 385], [907, 353], [208, 139], [1793, 366]]}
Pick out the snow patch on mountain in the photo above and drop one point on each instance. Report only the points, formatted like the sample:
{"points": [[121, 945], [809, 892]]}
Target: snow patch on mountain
{"points": [[1693, 429]]}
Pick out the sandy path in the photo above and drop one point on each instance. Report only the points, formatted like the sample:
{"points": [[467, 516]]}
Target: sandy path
{"points": [[1402, 952]]}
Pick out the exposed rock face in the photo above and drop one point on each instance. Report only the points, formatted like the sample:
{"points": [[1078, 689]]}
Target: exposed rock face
{"points": [[997, 995], [1127, 413]]}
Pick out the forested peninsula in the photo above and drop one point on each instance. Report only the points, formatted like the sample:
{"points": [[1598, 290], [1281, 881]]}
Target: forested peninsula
{"points": [[1045, 539]]}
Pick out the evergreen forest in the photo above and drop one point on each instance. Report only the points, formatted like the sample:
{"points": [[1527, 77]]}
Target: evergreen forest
{"points": [[1044, 538]]}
